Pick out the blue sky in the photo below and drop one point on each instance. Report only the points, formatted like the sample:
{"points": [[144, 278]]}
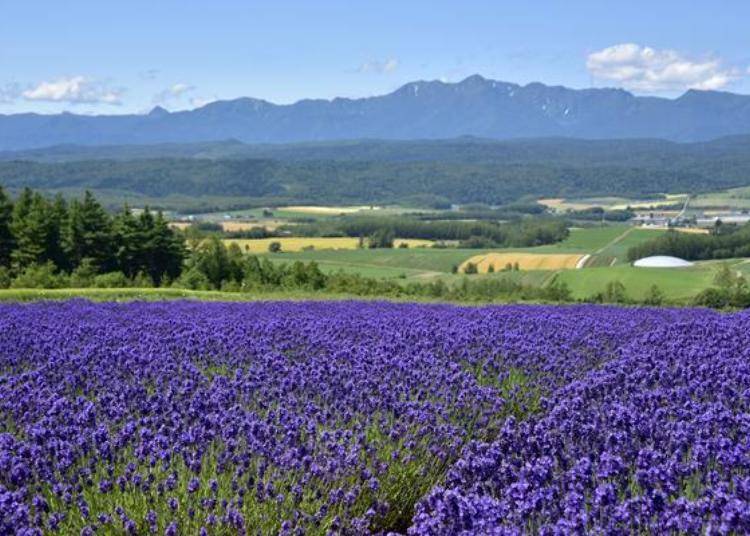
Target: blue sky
{"points": [[122, 57]]}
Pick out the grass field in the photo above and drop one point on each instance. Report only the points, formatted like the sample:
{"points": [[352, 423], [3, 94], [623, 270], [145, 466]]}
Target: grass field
{"points": [[735, 199], [420, 259], [524, 261], [584, 240], [675, 283], [291, 244]]}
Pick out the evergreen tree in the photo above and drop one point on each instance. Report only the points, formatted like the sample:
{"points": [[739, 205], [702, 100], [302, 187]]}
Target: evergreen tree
{"points": [[164, 249], [131, 241], [6, 234], [34, 232], [89, 234], [58, 216]]}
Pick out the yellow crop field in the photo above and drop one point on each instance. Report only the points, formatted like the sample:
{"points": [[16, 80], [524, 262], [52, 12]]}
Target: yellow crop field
{"points": [[290, 244], [689, 230], [526, 261]]}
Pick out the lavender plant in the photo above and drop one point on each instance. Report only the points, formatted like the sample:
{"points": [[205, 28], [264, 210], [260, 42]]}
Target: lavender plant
{"points": [[355, 418]]}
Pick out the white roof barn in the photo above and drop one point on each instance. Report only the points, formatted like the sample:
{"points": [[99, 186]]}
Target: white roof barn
{"points": [[662, 261]]}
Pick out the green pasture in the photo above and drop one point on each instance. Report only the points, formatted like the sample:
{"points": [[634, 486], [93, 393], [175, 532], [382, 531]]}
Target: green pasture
{"points": [[676, 283]]}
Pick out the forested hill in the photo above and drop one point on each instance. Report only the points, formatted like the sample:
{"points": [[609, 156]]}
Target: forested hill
{"points": [[426, 172], [568, 151], [475, 106]]}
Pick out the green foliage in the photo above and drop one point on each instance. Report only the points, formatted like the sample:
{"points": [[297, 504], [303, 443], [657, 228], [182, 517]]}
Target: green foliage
{"points": [[426, 173], [7, 240], [40, 276], [83, 239], [274, 247], [33, 231], [383, 237], [89, 234], [731, 290], [614, 292], [470, 268], [112, 280], [5, 278], [726, 278], [472, 234], [84, 274], [727, 241], [654, 297], [193, 279]]}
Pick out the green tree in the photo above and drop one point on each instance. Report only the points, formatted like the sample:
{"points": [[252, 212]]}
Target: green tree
{"points": [[654, 296], [6, 234], [211, 259], [274, 247], [130, 239], [33, 230], [163, 251], [58, 216], [470, 268], [615, 292], [89, 234], [725, 277], [382, 238]]}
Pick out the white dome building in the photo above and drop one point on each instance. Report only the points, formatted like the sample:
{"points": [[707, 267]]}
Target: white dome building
{"points": [[662, 261]]}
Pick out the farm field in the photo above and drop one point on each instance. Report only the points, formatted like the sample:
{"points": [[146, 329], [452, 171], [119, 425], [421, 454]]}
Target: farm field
{"points": [[735, 199], [524, 261], [610, 203], [432, 260], [676, 283], [371, 417], [292, 244]]}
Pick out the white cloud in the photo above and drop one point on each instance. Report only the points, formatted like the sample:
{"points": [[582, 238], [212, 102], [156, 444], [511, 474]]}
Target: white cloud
{"points": [[74, 90], [647, 69], [380, 67], [174, 92]]}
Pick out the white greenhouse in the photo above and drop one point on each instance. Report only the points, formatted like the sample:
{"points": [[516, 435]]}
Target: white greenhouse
{"points": [[662, 261]]}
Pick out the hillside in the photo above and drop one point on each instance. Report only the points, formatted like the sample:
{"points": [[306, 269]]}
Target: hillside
{"points": [[418, 110], [464, 170]]}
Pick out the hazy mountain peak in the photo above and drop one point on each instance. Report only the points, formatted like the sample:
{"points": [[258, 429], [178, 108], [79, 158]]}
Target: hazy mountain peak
{"points": [[158, 111], [475, 106]]}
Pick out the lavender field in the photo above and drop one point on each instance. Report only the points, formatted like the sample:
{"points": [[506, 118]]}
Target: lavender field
{"points": [[357, 418]]}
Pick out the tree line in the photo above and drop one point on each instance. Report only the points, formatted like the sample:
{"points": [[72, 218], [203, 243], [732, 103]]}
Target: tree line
{"points": [[524, 232], [725, 242], [51, 237]]}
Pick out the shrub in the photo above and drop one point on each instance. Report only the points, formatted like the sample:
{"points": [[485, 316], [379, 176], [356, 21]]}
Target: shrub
{"points": [[142, 280], [83, 276], [193, 279], [470, 268], [40, 276], [111, 280], [5, 278], [274, 247], [654, 296]]}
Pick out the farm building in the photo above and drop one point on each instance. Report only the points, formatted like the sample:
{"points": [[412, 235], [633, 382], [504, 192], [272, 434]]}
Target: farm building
{"points": [[662, 261]]}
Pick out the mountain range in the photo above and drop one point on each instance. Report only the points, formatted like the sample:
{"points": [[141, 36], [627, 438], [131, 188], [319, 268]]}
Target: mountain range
{"points": [[475, 106]]}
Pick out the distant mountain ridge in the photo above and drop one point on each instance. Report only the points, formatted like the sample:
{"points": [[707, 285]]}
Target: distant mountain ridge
{"points": [[475, 106]]}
